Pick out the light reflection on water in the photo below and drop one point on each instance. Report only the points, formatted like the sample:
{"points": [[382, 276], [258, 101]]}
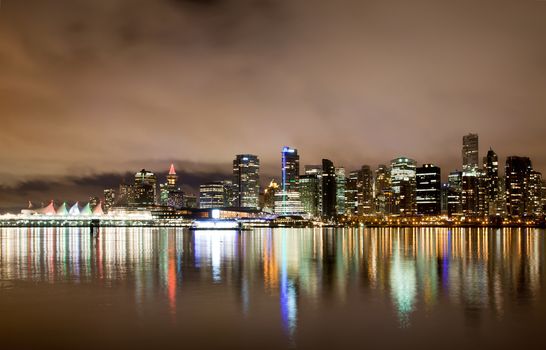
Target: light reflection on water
{"points": [[414, 272]]}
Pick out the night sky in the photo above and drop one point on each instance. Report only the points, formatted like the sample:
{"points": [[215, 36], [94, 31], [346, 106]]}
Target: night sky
{"points": [[93, 90]]}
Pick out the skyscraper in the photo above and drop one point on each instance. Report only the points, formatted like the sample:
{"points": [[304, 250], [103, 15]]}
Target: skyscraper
{"points": [[328, 189], [365, 190], [351, 194], [492, 186], [382, 190], [429, 189], [145, 189], [109, 198], [287, 200], [170, 194], [534, 194], [470, 153], [310, 194], [340, 190], [246, 180], [269, 196], [517, 177], [403, 185], [455, 183]]}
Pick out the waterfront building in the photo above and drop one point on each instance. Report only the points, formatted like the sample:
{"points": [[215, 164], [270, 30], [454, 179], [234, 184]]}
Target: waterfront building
{"points": [[328, 190], [269, 197], [287, 200], [246, 181], [351, 194], [534, 194], [211, 195], [491, 178], [469, 193], [454, 203], [316, 170], [517, 177], [341, 183], [109, 198], [229, 194], [470, 153], [444, 199], [144, 189], [428, 190], [190, 201], [170, 194], [403, 185], [365, 190], [310, 194], [382, 190]]}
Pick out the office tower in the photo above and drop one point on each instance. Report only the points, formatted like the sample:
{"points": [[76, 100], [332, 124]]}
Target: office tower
{"points": [[534, 194], [269, 197], [543, 195], [170, 194], [428, 190], [93, 201], [382, 190], [310, 194], [287, 201], [190, 201], [109, 198], [483, 203], [145, 189], [469, 193], [444, 199], [211, 195], [340, 190], [517, 177], [328, 190], [365, 190], [246, 180], [403, 185], [491, 178], [351, 194], [454, 203], [317, 171], [470, 153]]}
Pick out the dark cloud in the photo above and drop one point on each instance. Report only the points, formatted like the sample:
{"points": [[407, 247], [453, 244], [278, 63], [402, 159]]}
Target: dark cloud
{"points": [[106, 86]]}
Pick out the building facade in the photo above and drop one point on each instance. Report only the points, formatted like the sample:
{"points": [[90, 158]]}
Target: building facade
{"points": [[246, 181]]}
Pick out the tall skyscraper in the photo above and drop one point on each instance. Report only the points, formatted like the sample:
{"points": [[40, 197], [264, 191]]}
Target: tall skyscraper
{"points": [[310, 194], [403, 185], [170, 194], [246, 180], [534, 194], [454, 202], [145, 189], [351, 194], [517, 177], [340, 190], [470, 153], [429, 190], [328, 189], [382, 190], [365, 190], [492, 186], [287, 200]]}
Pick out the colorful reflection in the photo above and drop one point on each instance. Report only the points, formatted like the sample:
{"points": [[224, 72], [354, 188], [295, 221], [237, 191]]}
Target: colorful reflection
{"points": [[479, 270]]}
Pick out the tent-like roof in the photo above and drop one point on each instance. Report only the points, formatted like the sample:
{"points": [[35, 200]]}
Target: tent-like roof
{"points": [[75, 210], [49, 210], [98, 209], [62, 209], [87, 210]]}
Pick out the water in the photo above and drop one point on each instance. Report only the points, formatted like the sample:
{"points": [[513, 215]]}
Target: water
{"points": [[283, 288]]}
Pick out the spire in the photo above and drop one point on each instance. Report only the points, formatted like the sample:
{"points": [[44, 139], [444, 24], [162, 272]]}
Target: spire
{"points": [[171, 170]]}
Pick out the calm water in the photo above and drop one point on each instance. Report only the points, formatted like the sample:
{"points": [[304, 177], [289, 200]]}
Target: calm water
{"points": [[331, 289]]}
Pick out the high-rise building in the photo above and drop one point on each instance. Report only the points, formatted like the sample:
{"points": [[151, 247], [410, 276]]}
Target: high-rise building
{"points": [[169, 193], [534, 194], [454, 202], [316, 170], [517, 177], [382, 190], [212, 195], [109, 198], [491, 177], [428, 189], [351, 194], [310, 194], [287, 200], [471, 161], [145, 189], [246, 180], [403, 185], [340, 190], [328, 189], [469, 193], [365, 190]]}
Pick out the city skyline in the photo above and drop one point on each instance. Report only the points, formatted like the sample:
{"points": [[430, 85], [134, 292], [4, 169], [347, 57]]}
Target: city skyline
{"points": [[110, 78]]}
